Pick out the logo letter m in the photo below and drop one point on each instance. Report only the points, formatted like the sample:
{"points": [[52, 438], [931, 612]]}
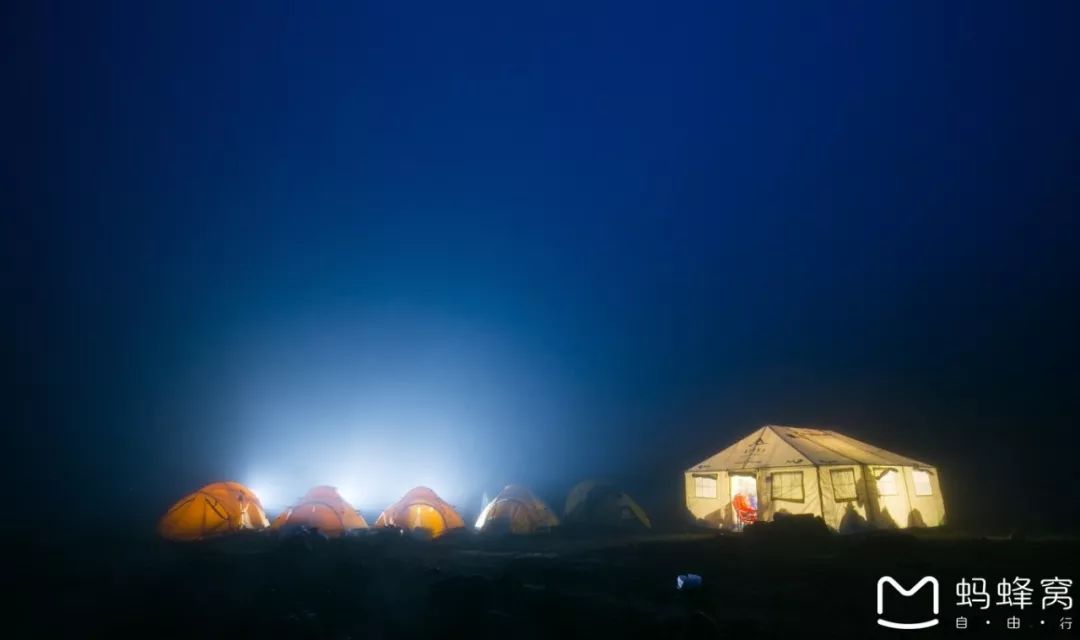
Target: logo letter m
{"points": [[932, 581]]}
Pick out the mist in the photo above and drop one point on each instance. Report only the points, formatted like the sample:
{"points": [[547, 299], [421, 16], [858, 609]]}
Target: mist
{"points": [[398, 246]]}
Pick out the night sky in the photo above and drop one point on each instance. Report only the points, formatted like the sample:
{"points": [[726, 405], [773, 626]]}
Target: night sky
{"points": [[467, 245]]}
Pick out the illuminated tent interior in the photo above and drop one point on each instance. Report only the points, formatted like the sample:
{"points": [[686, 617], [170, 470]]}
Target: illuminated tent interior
{"points": [[850, 484], [421, 509], [216, 509], [600, 504], [324, 509], [516, 510]]}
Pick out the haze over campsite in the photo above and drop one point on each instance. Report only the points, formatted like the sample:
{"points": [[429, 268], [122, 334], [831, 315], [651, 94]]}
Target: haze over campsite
{"points": [[405, 320]]}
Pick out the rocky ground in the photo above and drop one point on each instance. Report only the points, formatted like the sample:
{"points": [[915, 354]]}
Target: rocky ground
{"points": [[769, 584]]}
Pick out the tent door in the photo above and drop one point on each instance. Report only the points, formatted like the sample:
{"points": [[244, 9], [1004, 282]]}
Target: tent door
{"points": [[744, 499]]}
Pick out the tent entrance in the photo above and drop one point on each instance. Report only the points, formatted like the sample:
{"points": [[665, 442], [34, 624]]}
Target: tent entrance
{"points": [[744, 499]]}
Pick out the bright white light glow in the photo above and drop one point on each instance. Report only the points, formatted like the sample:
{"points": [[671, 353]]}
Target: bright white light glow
{"points": [[268, 492], [483, 516], [376, 404], [369, 472]]}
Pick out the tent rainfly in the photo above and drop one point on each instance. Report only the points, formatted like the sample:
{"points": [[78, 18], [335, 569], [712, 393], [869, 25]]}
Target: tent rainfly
{"points": [[217, 509], [324, 509], [603, 505], [851, 485], [516, 510], [421, 509]]}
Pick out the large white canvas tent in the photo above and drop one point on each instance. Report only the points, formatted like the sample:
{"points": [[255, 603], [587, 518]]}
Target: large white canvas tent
{"points": [[794, 470]]}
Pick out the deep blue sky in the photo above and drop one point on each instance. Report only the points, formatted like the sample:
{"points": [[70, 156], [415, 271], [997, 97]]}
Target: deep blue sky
{"points": [[475, 244]]}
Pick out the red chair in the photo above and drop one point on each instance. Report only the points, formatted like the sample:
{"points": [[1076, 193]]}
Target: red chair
{"points": [[746, 513]]}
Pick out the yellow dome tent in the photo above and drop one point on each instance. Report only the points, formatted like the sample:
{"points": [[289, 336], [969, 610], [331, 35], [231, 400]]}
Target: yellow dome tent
{"points": [[421, 509], [599, 504], [324, 509], [516, 510], [216, 509]]}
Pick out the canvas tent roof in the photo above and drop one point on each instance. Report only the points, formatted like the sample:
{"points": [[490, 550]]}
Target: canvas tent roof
{"points": [[779, 446]]}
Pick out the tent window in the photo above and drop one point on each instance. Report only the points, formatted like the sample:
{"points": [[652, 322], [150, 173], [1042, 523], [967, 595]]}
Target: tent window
{"points": [[922, 483], [788, 485], [886, 483], [843, 484], [705, 486]]}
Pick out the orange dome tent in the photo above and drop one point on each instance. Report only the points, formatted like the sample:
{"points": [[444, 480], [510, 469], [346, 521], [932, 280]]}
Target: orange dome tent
{"points": [[324, 509], [516, 510], [422, 509], [216, 509]]}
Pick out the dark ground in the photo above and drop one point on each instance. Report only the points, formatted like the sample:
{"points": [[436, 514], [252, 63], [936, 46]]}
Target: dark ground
{"points": [[558, 585]]}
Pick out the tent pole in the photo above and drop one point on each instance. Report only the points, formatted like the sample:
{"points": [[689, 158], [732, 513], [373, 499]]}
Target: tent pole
{"points": [[820, 495]]}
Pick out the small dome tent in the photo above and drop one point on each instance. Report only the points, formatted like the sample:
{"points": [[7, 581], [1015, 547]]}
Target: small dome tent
{"points": [[421, 509], [324, 509], [216, 509], [600, 504], [516, 510]]}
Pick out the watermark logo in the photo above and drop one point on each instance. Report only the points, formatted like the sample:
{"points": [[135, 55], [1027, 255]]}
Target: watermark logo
{"points": [[935, 593], [1015, 596]]}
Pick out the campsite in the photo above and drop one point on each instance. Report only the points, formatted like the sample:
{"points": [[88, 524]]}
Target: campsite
{"points": [[540, 320], [775, 472], [595, 565]]}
